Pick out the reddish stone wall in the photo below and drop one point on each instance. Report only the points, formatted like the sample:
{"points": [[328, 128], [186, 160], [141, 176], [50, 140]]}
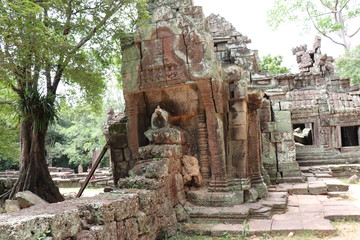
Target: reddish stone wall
{"points": [[131, 214]]}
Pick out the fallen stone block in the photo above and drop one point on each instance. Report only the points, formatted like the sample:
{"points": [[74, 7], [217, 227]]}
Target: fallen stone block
{"points": [[337, 187], [353, 179], [27, 199], [11, 206]]}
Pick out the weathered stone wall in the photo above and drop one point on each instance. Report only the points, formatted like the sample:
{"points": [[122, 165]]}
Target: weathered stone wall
{"points": [[115, 132], [279, 153], [132, 214], [277, 150]]}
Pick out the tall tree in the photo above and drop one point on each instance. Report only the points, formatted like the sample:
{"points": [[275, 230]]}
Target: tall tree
{"points": [[337, 20], [348, 65], [273, 64], [49, 42]]}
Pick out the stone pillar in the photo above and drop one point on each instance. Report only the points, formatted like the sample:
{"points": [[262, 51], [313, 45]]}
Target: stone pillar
{"points": [[254, 143], [132, 124], [238, 134], [203, 145], [215, 138]]}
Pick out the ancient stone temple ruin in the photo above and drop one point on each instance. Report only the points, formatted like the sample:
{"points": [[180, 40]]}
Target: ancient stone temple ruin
{"points": [[172, 66], [206, 136], [321, 108], [239, 122]]}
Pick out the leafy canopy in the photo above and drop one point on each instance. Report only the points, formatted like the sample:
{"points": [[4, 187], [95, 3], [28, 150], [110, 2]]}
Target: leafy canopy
{"points": [[273, 64], [9, 133], [348, 65], [44, 43], [71, 140], [338, 20]]}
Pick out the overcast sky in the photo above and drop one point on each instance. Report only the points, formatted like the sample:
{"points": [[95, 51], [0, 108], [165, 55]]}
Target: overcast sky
{"points": [[249, 18]]}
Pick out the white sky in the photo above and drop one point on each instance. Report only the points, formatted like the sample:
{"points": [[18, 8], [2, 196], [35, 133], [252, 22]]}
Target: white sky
{"points": [[249, 18]]}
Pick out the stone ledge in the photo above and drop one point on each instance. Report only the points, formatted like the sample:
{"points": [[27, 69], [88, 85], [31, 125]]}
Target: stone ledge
{"points": [[97, 216]]}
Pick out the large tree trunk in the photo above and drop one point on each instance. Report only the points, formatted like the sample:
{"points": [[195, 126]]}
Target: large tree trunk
{"points": [[34, 174]]}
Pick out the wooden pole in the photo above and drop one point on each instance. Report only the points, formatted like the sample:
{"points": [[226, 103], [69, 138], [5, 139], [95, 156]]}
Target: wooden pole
{"points": [[92, 171]]}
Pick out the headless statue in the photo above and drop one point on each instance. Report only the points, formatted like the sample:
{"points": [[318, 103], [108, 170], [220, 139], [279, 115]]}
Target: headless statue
{"points": [[159, 119]]}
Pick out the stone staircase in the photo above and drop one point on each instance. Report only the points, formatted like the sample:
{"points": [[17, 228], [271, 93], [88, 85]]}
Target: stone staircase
{"points": [[274, 203], [310, 156]]}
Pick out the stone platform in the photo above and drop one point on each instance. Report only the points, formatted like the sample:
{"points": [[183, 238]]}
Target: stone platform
{"points": [[303, 213], [314, 186], [274, 203]]}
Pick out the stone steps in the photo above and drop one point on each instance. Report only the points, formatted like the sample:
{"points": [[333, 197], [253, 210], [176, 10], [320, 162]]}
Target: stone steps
{"points": [[259, 227], [274, 203], [293, 179], [234, 214], [314, 162], [319, 186]]}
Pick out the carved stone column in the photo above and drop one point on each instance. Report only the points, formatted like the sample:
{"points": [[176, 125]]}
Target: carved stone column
{"points": [[254, 143], [203, 145], [132, 114], [215, 138]]}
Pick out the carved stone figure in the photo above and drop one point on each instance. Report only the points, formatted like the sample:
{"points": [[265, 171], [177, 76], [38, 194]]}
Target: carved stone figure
{"points": [[159, 119]]}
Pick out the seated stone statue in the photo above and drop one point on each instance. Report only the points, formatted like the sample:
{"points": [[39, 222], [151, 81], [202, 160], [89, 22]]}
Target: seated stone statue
{"points": [[159, 119]]}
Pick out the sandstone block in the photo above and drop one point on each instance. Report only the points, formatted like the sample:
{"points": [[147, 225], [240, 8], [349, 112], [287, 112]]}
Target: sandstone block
{"points": [[237, 118], [162, 13], [86, 234], [317, 188], [166, 136], [282, 136], [27, 199], [191, 170], [238, 132], [160, 151], [285, 105], [181, 214], [158, 168], [140, 182], [300, 189], [11, 206]]}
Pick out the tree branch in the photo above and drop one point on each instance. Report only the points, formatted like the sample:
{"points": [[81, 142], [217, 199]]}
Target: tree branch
{"points": [[354, 33], [342, 8], [321, 32], [322, 14], [96, 28], [69, 13], [336, 4], [4, 101], [63, 63], [324, 4]]}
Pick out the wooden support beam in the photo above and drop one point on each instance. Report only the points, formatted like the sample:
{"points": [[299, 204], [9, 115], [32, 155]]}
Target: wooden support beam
{"points": [[92, 171]]}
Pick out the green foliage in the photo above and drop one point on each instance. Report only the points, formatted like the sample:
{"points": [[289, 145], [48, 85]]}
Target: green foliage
{"points": [[9, 133], [336, 20], [45, 44], [37, 107], [42, 235], [51, 43], [71, 141], [273, 64], [348, 65]]}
